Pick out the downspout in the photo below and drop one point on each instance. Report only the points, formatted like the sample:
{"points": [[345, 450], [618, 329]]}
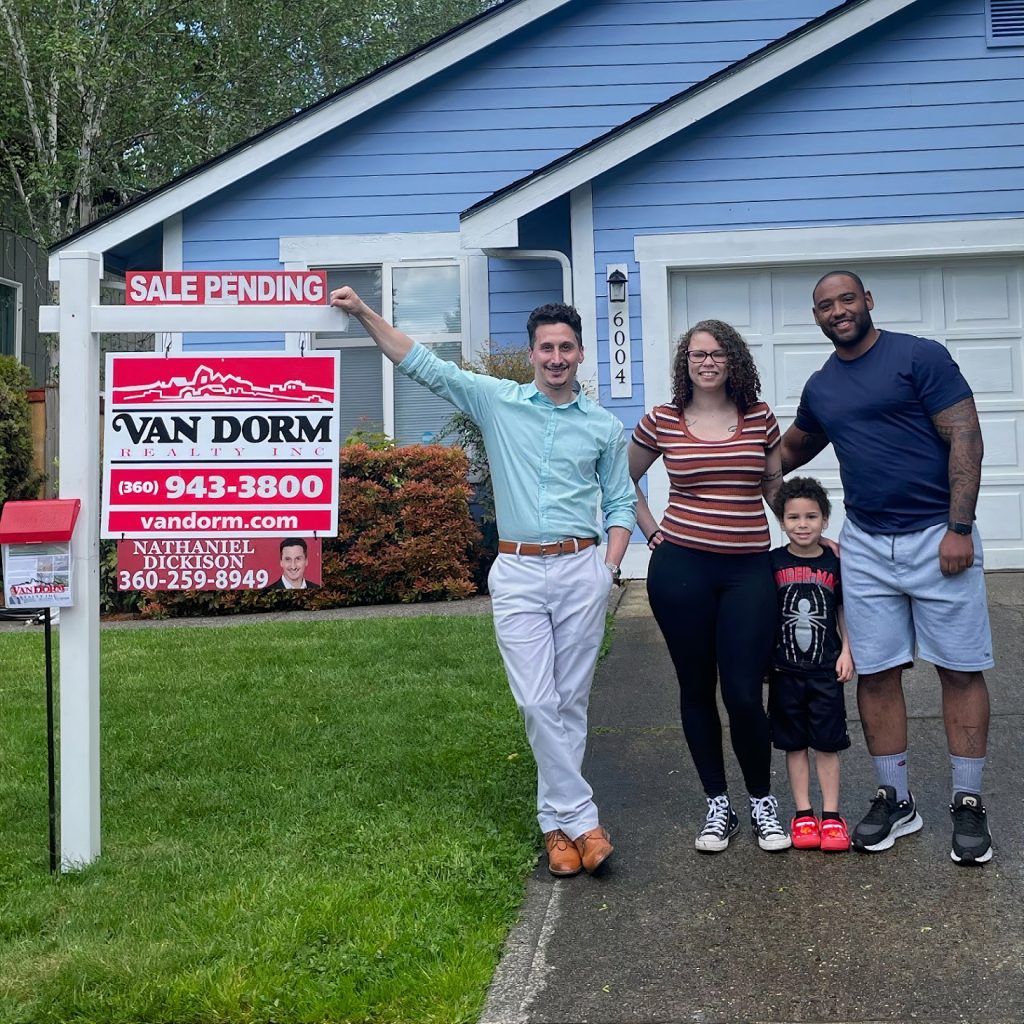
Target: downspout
{"points": [[539, 254]]}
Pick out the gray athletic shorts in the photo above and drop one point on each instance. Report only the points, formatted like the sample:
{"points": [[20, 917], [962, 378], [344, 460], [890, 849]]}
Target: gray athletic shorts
{"points": [[898, 603]]}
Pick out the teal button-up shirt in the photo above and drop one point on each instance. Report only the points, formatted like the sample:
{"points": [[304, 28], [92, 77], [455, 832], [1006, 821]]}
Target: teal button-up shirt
{"points": [[552, 466]]}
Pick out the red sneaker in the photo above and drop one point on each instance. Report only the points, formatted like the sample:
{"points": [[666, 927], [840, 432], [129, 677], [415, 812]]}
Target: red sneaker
{"points": [[834, 836], [806, 835]]}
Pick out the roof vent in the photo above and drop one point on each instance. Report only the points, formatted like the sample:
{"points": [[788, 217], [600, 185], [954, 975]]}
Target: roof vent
{"points": [[1005, 24]]}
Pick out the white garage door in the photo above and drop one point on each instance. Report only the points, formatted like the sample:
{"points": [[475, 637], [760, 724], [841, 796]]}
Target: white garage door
{"points": [[972, 306]]}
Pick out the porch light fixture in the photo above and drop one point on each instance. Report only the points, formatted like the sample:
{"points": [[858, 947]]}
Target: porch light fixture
{"points": [[617, 286]]}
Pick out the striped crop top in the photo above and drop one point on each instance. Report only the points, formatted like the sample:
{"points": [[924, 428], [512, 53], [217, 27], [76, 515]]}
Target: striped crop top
{"points": [[714, 501]]}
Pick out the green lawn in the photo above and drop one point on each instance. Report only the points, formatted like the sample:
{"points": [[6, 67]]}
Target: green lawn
{"points": [[301, 822]]}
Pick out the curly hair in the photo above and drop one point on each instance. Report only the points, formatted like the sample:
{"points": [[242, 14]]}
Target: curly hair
{"points": [[802, 487], [742, 385]]}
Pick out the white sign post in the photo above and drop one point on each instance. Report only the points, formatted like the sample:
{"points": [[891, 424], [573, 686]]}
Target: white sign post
{"points": [[80, 319]]}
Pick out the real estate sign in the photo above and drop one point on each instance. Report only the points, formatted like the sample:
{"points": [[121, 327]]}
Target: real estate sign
{"points": [[221, 446]]}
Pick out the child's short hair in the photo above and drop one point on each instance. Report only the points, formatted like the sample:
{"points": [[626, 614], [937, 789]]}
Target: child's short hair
{"points": [[802, 487]]}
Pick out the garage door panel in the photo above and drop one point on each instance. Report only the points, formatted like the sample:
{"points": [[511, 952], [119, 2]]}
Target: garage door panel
{"points": [[742, 301], [791, 304], [1000, 518], [793, 364], [1004, 443], [907, 299], [992, 366], [986, 296]]}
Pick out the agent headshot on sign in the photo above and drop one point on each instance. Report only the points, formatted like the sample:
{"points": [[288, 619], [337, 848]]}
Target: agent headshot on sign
{"points": [[294, 559]]}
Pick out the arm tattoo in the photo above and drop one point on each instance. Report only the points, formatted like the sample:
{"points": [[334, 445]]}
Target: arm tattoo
{"points": [[958, 426], [769, 477]]}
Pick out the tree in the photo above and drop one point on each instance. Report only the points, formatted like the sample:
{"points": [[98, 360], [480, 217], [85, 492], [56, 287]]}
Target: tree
{"points": [[106, 99]]}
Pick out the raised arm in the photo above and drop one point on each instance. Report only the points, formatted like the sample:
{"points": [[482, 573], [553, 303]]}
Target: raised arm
{"points": [[958, 426], [390, 340], [799, 447]]}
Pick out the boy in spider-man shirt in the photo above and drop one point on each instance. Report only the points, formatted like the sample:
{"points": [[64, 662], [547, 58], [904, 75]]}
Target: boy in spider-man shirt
{"points": [[806, 704]]}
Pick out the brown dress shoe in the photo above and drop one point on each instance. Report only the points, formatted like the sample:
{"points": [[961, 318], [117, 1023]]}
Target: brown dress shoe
{"points": [[563, 859], [595, 848]]}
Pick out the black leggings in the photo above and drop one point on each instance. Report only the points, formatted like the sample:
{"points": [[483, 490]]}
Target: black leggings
{"points": [[718, 611]]}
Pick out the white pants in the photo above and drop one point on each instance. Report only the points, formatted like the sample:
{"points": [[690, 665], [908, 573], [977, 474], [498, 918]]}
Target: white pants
{"points": [[549, 618]]}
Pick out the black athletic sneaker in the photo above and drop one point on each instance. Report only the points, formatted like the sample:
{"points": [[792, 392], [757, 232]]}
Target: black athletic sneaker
{"points": [[972, 842], [887, 820]]}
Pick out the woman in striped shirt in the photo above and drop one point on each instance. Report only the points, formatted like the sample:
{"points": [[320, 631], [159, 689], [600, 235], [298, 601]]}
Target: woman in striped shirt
{"points": [[709, 580]]}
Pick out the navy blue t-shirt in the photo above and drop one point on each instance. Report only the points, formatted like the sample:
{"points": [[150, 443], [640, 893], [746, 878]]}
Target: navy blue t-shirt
{"points": [[876, 410]]}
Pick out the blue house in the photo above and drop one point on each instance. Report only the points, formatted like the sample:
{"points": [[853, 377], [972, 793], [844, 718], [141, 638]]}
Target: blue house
{"points": [[717, 155]]}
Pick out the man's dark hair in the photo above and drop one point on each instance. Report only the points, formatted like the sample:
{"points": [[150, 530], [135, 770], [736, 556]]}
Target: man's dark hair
{"points": [[293, 542], [802, 487], [555, 313], [840, 273]]}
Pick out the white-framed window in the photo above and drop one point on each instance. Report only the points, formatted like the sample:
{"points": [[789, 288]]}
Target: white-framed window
{"points": [[424, 284], [423, 298], [10, 318]]}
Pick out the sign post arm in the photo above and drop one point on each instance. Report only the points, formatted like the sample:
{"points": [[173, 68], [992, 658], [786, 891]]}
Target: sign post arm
{"points": [[79, 625]]}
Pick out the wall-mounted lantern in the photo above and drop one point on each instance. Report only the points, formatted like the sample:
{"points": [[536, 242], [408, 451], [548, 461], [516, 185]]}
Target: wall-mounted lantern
{"points": [[617, 281]]}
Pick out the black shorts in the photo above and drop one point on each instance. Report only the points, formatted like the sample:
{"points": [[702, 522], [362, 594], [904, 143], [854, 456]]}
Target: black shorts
{"points": [[807, 711]]}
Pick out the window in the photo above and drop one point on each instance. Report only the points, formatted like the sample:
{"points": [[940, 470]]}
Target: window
{"points": [[424, 298], [10, 301]]}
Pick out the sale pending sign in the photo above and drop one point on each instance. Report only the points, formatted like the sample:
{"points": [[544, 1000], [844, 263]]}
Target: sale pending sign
{"points": [[221, 446]]}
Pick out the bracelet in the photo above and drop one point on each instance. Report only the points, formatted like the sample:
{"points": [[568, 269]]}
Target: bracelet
{"points": [[653, 534]]}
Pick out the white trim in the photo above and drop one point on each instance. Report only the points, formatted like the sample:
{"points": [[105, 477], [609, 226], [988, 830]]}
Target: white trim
{"points": [[477, 295], [595, 159], [825, 247], [584, 270], [844, 242], [19, 312], [173, 259], [304, 251], [318, 121]]}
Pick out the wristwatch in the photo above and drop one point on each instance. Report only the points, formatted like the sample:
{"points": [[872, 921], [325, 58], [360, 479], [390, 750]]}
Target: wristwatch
{"points": [[615, 571], [964, 529]]}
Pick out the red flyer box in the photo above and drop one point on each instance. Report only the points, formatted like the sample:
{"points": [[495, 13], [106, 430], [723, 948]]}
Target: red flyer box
{"points": [[36, 541]]}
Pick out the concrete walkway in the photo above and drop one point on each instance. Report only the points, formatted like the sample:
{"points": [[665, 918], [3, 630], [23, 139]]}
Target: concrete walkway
{"points": [[671, 935]]}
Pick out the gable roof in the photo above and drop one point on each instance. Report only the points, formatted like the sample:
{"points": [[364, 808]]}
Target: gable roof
{"points": [[492, 221], [327, 114]]}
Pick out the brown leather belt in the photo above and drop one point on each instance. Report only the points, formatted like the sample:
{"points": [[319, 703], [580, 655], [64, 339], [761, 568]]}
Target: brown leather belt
{"points": [[559, 547]]}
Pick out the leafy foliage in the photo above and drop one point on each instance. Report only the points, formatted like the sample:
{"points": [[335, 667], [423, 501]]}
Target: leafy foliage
{"points": [[18, 477], [103, 100]]}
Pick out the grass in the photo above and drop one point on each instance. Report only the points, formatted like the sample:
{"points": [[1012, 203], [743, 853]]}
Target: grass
{"points": [[302, 822]]}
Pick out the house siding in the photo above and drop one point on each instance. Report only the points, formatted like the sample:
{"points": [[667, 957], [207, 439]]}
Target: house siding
{"points": [[919, 120], [416, 162], [23, 262]]}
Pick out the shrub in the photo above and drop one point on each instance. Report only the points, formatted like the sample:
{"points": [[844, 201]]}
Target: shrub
{"points": [[404, 534], [18, 478]]}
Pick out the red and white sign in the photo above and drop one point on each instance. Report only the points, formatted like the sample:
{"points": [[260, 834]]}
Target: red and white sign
{"points": [[226, 288], [209, 563], [221, 446]]}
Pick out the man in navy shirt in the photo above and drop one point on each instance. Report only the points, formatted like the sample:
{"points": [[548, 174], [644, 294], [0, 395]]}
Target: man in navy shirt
{"points": [[905, 430]]}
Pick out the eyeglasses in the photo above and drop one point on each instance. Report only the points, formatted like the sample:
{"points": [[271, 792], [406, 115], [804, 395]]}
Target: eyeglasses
{"points": [[697, 357]]}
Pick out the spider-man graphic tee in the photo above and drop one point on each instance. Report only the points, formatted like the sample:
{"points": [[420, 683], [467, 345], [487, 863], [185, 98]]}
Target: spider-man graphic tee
{"points": [[809, 591]]}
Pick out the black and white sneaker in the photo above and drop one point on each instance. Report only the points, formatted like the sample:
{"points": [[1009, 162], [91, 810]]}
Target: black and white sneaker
{"points": [[886, 821], [719, 827], [972, 841], [764, 817]]}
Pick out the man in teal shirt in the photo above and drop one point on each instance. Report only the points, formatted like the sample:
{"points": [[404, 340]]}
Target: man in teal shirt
{"points": [[556, 457]]}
